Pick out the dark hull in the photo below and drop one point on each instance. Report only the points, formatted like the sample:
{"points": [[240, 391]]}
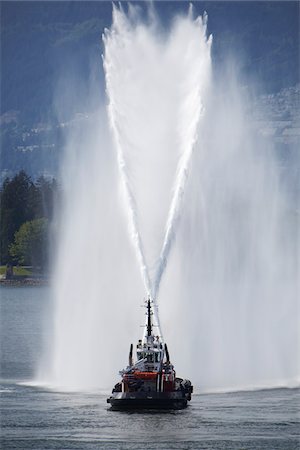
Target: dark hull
{"points": [[122, 401]]}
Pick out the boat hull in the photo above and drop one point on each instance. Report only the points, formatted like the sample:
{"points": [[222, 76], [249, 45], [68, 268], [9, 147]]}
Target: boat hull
{"points": [[150, 400]]}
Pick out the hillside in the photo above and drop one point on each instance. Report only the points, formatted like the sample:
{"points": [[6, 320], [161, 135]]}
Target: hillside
{"points": [[50, 48]]}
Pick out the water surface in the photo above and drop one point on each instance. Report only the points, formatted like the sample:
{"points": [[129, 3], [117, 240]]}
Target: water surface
{"points": [[37, 418]]}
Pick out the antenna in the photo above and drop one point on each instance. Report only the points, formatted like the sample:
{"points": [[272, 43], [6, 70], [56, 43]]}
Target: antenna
{"points": [[149, 313]]}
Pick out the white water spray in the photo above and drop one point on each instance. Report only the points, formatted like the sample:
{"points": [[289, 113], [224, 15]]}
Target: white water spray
{"points": [[227, 285], [148, 79]]}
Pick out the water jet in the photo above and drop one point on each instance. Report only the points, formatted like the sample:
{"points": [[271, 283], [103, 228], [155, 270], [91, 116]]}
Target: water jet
{"points": [[174, 161]]}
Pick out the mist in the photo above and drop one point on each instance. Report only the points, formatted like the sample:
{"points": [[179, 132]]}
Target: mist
{"points": [[170, 192]]}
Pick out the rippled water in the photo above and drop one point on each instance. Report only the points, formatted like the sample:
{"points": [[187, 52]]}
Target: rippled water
{"points": [[32, 417]]}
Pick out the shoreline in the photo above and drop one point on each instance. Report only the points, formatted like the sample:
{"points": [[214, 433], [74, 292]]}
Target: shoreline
{"points": [[14, 282]]}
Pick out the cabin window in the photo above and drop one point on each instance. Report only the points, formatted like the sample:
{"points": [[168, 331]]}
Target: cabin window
{"points": [[150, 357]]}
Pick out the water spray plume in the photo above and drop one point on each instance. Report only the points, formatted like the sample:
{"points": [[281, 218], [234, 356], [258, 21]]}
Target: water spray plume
{"points": [[212, 234], [187, 79]]}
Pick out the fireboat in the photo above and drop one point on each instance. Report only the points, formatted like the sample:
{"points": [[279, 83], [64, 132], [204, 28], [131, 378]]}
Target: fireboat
{"points": [[150, 382]]}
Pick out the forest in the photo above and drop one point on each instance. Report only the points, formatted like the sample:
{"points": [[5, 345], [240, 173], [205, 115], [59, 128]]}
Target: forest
{"points": [[27, 220]]}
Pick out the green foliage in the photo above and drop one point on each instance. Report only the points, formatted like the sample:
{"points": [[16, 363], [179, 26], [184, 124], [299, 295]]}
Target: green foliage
{"points": [[24, 201], [31, 243], [16, 208], [19, 271]]}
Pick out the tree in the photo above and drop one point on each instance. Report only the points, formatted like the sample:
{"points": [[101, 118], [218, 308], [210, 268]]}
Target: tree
{"points": [[46, 197], [30, 246], [16, 208], [23, 201]]}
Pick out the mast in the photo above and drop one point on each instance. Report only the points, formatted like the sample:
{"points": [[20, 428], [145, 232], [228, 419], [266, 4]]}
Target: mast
{"points": [[152, 310], [149, 313]]}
